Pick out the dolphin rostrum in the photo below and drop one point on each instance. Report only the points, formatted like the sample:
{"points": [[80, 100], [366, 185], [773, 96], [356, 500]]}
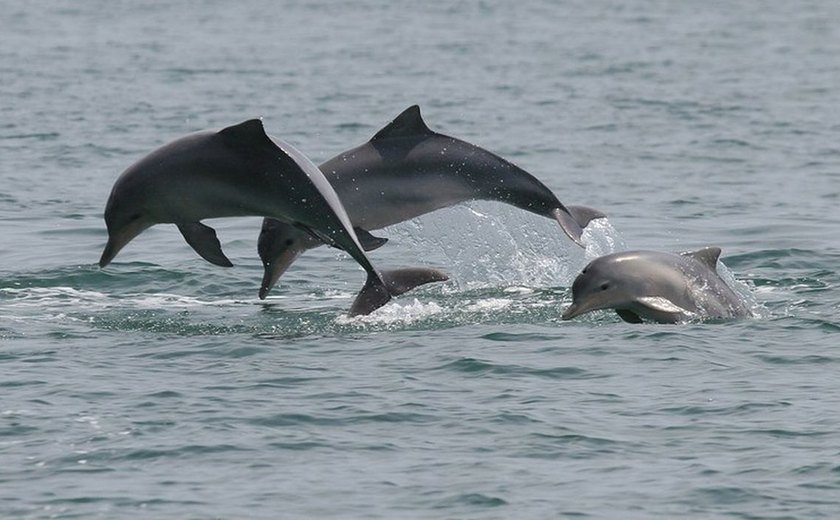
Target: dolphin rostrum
{"points": [[653, 286], [407, 170], [241, 171]]}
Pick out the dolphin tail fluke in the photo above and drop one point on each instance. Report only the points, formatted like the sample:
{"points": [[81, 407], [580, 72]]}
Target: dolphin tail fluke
{"points": [[372, 296], [379, 290], [400, 281], [569, 224], [583, 215]]}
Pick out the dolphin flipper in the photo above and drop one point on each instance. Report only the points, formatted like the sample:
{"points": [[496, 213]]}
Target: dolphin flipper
{"points": [[204, 241], [628, 316], [368, 241], [661, 309], [375, 293]]}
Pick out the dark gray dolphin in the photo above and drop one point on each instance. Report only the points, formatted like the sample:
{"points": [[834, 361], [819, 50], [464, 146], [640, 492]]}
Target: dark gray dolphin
{"points": [[407, 170], [660, 287], [241, 171]]}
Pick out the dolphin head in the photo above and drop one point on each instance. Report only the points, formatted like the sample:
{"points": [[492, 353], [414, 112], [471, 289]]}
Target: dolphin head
{"points": [[279, 246], [126, 216], [603, 284], [125, 219], [636, 284], [150, 191]]}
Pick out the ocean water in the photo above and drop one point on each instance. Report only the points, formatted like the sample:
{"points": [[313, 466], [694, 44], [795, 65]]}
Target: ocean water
{"points": [[161, 387]]}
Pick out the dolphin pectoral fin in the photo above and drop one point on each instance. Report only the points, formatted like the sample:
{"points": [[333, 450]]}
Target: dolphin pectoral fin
{"points": [[583, 215], [570, 226], [660, 309], [204, 241], [368, 241], [319, 236], [379, 290], [708, 256], [628, 316]]}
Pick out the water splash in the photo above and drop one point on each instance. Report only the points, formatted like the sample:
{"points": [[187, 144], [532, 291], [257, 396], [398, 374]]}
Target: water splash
{"points": [[486, 244], [745, 291]]}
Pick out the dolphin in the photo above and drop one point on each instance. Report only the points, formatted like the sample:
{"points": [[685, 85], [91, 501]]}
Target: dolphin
{"points": [[655, 286], [241, 171], [407, 170]]}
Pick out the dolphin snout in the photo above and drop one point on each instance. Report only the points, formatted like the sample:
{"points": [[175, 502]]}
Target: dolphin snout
{"points": [[108, 253], [117, 239], [571, 311]]}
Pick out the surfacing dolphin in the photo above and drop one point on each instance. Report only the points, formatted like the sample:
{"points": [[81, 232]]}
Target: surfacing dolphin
{"points": [[241, 171], [653, 286], [407, 170]]}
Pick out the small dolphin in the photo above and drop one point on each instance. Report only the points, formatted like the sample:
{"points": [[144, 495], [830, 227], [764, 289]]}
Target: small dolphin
{"points": [[407, 170], [241, 171], [660, 287]]}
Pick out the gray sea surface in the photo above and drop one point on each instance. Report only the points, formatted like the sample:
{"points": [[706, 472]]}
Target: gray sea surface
{"points": [[162, 387]]}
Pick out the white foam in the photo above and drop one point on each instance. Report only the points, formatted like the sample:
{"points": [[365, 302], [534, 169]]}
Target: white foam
{"points": [[490, 304], [395, 313], [745, 291]]}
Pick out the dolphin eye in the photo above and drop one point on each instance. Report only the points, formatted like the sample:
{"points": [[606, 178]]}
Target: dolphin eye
{"points": [[134, 217], [605, 286]]}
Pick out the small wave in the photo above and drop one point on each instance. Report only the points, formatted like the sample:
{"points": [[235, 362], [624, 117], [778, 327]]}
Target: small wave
{"points": [[53, 297], [473, 500], [479, 367]]}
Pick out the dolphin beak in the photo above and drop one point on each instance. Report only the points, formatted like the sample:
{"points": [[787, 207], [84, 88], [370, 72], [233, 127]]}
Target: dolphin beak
{"points": [[572, 311], [275, 268], [111, 249], [569, 225], [589, 303], [118, 240]]}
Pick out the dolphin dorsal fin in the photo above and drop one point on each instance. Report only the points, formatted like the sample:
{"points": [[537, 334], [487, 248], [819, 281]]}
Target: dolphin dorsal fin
{"points": [[247, 133], [407, 124], [708, 256]]}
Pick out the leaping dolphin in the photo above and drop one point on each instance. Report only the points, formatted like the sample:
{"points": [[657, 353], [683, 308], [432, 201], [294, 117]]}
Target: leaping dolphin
{"points": [[654, 286], [407, 170], [241, 171]]}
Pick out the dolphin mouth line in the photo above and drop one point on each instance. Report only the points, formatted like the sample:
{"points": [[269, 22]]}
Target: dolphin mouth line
{"points": [[108, 254], [583, 307], [572, 311]]}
